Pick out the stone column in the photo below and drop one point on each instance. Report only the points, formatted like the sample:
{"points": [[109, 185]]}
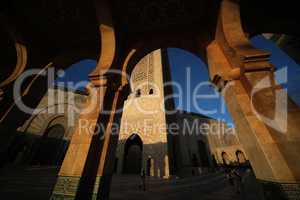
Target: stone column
{"points": [[71, 174], [152, 167], [273, 149], [267, 122], [166, 167], [111, 137], [89, 163]]}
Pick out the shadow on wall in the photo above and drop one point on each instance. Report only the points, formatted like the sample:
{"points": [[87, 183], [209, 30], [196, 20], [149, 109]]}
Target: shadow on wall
{"points": [[48, 149]]}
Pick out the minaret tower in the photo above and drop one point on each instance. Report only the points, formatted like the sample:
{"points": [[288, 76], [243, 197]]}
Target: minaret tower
{"points": [[143, 143]]}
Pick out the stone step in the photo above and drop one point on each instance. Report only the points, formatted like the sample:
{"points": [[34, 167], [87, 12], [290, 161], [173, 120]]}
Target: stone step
{"points": [[27, 182]]}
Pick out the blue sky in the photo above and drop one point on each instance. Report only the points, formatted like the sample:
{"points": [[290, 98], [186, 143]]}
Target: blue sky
{"points": [[281, 60], [188, 71], [76, 73]]}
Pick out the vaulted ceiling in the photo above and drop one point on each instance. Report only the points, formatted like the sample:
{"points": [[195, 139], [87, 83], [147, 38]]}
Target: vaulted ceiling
{"points": [[50, 27]]}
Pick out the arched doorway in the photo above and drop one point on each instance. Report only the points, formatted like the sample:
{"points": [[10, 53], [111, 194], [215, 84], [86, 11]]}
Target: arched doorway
{"points": [[203, 154], [225, 158], [150, 166], [240, 156], [133, 155], [52, 147]]}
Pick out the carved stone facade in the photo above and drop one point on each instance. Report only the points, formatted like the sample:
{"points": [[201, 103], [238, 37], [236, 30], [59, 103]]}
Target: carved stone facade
{"points": [[224, 140], [44, 137], [144, 117]]}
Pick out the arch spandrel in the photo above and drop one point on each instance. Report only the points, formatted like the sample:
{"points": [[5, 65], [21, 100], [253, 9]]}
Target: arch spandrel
{"points": [[107, 39]]}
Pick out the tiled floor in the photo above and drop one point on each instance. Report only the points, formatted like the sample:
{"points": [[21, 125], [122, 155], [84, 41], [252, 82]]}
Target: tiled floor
{"points": [[37, 184], [208, 187]]}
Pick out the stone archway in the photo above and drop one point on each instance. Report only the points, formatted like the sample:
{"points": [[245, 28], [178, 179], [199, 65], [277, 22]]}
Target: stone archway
{"points": [[133, 154], [51, 148], [225, 158], [240, 156]]}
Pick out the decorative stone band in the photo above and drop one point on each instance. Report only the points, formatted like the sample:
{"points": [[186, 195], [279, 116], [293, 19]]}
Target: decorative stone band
{"points": [[66, 188], [280, 191]]}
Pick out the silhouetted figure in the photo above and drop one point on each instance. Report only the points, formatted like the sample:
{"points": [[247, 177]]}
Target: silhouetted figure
{"points": [[229, 175], [237, 179], [143, 179]]}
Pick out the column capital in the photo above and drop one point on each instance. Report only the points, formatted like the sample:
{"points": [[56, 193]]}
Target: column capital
{"points": [[241, 55], [99, 81], [104, 80]]}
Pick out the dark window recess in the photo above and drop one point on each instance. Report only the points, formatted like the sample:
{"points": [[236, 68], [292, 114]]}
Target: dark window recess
{"points": [[151, 91], [138, 93]]}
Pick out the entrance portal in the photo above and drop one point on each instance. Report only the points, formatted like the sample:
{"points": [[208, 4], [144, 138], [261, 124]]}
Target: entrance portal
{"points": [[52, 147], [133, 155]]}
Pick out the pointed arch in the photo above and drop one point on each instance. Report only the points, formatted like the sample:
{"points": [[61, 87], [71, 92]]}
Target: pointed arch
{"points": [[133, 153]]}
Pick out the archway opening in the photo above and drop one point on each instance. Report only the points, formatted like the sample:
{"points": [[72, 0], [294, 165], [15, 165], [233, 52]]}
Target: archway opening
{"points": [[203, 153], [52, 147], [150, 166], [133, 155], [240, 156], [225, 158]]}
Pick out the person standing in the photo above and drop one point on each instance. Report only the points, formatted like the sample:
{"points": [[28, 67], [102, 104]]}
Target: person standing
{"points": [[143, 179], [237, 179]]}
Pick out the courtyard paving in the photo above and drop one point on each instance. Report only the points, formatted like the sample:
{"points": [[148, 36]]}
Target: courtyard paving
{"points": [[207, 187]]}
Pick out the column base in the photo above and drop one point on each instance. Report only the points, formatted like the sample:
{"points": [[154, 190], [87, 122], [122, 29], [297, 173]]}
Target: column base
{"points": [[280, 191], [70, 188]]}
